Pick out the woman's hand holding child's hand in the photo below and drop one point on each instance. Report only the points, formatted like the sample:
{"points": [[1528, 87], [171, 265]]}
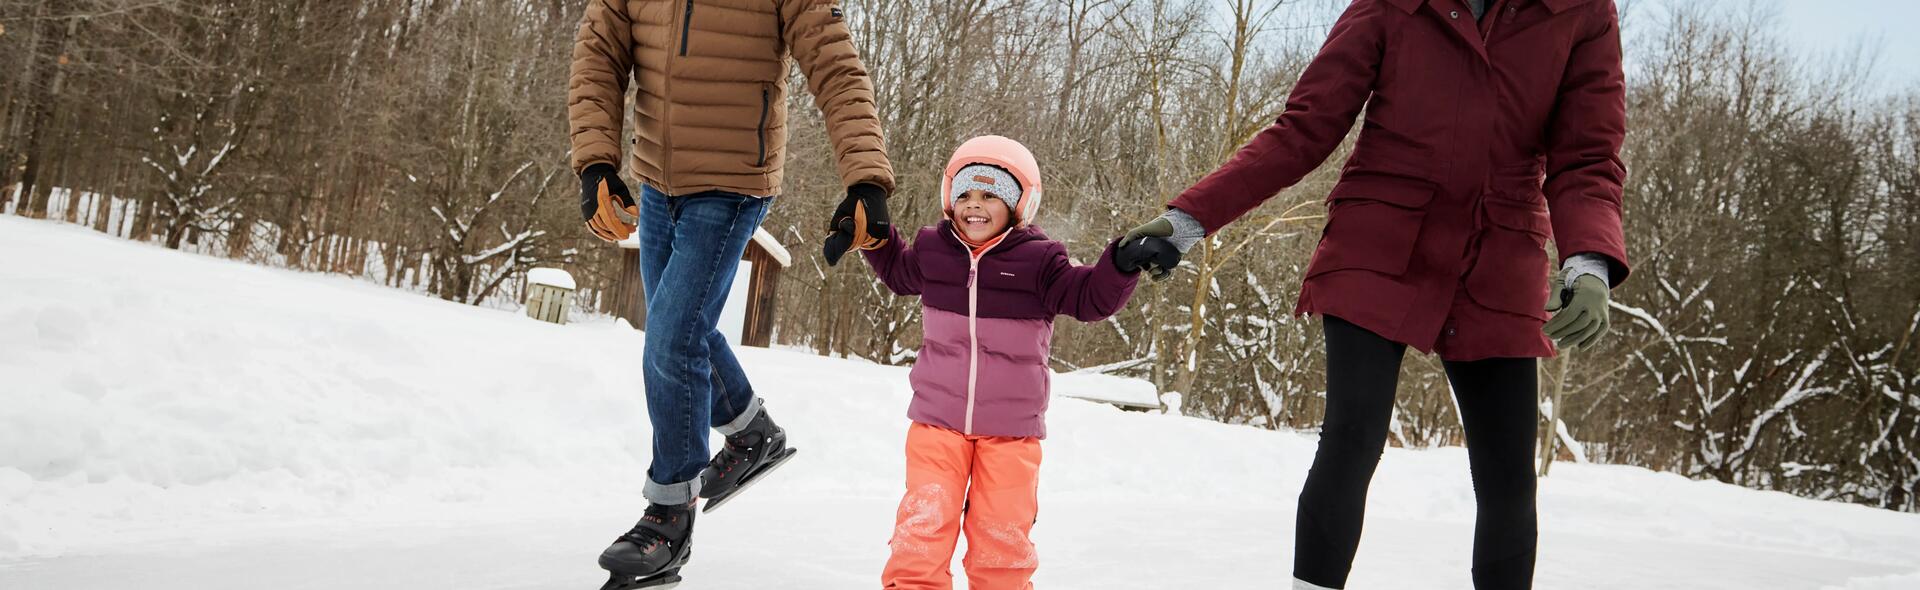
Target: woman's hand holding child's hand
{"points": [[1147, 248], [1146, 252]]}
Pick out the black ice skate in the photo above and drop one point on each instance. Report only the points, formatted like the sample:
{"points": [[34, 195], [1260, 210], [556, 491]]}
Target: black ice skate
{"points": [[651, 555], [748, 457]]}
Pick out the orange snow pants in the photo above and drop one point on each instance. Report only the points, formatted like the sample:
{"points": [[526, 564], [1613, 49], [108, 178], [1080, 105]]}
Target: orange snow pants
{"points": [[997, 511]]}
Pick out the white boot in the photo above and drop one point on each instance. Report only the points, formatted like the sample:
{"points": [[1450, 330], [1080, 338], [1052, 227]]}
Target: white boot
{"points": [[1304, 585]]}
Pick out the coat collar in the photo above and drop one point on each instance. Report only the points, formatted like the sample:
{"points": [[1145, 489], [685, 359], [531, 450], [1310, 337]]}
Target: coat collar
{"points": [[1469, 30], [1557, 6], [1013, 237], [1406, 6]]}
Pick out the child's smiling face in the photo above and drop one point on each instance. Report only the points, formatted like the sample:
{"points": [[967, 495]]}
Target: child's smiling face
{"points": [[980, 216]]}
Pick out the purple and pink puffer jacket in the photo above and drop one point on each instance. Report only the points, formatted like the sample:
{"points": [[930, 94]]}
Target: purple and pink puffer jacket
{"points": [[988, 322]]}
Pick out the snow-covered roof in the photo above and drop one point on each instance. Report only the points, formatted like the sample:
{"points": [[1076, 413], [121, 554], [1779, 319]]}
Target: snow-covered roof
{"points": [[551, 277], [779, 252], [1104, 388]]}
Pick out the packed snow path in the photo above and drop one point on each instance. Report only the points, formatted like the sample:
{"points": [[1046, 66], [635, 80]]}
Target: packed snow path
{"points": [[177, 421]]}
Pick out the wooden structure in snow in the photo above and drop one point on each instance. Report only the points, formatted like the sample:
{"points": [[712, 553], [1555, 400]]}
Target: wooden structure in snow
{"points": [[748, 318], [549, 294], [766, 259]]}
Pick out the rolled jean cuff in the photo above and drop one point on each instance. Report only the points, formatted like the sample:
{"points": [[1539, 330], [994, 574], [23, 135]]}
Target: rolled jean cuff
{"points": [[671, 493], [740, 422]]}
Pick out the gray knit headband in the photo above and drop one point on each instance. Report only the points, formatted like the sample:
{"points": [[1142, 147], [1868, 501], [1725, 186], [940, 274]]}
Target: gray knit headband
{"points": [[991, 179]]}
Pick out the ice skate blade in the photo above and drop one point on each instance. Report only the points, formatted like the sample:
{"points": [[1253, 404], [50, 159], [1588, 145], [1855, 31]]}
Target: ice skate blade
{"points": [[750, 479], [661, 581]]}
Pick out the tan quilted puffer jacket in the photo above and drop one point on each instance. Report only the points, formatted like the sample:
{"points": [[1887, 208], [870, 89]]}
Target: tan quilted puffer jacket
{"points": [[711, 106]]}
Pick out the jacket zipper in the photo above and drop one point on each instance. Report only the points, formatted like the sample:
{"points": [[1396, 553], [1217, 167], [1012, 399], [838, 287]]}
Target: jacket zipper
{"points": [[666, 114], [761, 131], [686, 26], [1493, 20], [973, 329], [973, 339]]}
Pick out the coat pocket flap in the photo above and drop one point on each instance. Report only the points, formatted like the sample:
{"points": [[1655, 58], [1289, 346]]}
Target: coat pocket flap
{"points": [[1403, 193], [1518, 215]]}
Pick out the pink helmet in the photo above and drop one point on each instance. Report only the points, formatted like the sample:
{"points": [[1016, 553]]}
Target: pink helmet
{"points": [[1005, 154]]}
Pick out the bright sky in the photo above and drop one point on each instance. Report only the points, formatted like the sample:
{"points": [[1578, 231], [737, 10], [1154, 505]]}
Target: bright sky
{"points": [[1812, 27], [1838, 25]]}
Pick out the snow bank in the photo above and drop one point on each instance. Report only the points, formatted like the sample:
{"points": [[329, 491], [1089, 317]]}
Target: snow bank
{"points": [[160, 399], [1111, 389], [1903, 582]]}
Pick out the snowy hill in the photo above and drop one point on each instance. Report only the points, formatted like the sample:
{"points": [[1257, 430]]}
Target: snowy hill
{"points": [[177, 421]]}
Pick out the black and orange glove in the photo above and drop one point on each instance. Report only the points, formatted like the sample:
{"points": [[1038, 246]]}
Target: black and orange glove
{"points": [[860, 222], [602, 197]]}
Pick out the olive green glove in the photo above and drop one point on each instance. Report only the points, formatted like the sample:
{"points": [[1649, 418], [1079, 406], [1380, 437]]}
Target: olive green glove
{"points": [[1174, 226], [1579, 311], [1160, 227]]}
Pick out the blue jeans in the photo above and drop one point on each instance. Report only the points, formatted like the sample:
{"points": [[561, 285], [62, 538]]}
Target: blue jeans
{"points": [[690, 247]]}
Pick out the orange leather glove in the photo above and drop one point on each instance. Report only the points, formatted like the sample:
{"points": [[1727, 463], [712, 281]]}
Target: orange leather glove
{"points": [[860, 222], [602, 197]]}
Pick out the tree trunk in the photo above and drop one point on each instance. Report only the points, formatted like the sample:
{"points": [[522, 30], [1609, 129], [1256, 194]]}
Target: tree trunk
{"points": [[72, 212], [43, 107], [19, 107], [102, 213], [240, 236], [176, 234], [823, 320], [1552, 436]]}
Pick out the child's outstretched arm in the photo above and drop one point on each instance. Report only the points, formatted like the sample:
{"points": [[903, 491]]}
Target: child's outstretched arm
{"points": [[1088, 293], [896, 263]]}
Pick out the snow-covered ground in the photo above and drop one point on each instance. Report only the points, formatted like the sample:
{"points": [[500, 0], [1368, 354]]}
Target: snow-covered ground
{"points": [[173, 421]]}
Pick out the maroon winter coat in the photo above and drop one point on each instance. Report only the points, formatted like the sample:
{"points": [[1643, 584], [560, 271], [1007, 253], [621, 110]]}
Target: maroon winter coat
{"points": [[1482, 140]]}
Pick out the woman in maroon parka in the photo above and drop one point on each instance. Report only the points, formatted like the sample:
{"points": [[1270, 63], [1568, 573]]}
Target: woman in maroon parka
{"points": [[1492, 126]]}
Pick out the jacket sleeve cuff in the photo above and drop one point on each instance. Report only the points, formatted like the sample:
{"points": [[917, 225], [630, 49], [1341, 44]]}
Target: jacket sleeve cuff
{"points": [[603, 169], [1107, 271], [882, 258], [1187, 231], [865, 190], [1587, 263]]}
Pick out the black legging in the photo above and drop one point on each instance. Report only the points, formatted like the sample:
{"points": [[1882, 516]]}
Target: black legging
{"points": [[1496, 399]]}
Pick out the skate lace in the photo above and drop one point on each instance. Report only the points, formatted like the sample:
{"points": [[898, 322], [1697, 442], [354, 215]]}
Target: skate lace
{"points": [[645, 537], [737, 450]]}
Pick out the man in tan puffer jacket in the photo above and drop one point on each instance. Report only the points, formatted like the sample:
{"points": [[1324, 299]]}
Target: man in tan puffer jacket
{"points": [[708, 146]]}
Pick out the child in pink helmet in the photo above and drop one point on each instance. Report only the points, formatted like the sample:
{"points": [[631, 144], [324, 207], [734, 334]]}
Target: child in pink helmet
{"points": [[990, 284]]}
